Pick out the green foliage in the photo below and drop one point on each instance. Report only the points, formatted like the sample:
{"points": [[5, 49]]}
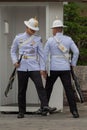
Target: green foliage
{"points": [[83, 56], [77, 28]]}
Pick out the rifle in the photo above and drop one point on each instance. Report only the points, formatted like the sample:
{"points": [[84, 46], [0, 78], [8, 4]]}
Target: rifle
{"points": [[77, 86], [11, 79], [63, 49]]}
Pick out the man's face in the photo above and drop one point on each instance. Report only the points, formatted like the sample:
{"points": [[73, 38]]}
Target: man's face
{"points": [[30, 31], [57, 29], [54, 30]]}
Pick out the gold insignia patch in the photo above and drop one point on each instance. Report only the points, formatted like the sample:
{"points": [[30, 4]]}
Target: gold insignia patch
{"points": [[36, 23], [33, 42]]}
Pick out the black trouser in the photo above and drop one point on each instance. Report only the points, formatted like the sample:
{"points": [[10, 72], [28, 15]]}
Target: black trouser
{"points": [[66, 81], [22, 87]]}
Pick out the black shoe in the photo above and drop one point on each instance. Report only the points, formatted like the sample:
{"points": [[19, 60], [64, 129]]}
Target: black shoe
{"points": [[52, 109], [20, 115], [75, 114], [39, 111], [45, 111]]}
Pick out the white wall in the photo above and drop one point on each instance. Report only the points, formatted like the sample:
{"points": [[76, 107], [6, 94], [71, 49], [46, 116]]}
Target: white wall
{"points": [[5, 64], [53, 10], [15, 16]]}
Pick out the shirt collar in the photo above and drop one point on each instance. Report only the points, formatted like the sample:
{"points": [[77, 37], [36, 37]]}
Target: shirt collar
{"points": [[27, 34], [59, 34]]}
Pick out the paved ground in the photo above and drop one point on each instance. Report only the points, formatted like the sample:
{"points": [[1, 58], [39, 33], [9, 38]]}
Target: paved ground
{"points": [[57, 121]]}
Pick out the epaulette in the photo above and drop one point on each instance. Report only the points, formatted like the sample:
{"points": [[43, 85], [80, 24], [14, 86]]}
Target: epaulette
{"points": [[67, 37], [19, 34], [51, 38], [37, 35]]}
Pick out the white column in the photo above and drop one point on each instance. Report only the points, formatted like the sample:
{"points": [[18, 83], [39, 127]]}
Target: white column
{"points": [[53, 10]]}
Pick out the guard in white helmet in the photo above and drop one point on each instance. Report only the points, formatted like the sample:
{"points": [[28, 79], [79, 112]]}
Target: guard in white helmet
{"points": [[32, 65], [59, 46]]}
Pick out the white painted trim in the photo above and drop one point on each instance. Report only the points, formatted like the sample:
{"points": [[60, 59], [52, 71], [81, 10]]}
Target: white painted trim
{"points": [[26, 3], [15, 109]]}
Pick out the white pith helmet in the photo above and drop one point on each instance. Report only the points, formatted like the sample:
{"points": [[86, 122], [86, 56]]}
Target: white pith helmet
{"points": [[32, 24], [57, 23]]}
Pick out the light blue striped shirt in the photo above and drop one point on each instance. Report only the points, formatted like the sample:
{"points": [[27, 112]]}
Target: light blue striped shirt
{"points": [[33, 49], [57, 60]]}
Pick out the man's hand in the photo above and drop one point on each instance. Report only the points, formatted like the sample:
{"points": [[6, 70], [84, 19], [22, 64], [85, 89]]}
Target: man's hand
{"points": [[16, 65], [44, 74]]}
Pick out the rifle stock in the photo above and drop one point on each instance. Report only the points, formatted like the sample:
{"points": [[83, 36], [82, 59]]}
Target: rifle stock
{"points": [[77, 86], [11, 79]]}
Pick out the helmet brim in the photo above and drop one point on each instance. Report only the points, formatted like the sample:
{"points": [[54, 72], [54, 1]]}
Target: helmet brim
{"points": [[35, 29], [58, 26]]}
